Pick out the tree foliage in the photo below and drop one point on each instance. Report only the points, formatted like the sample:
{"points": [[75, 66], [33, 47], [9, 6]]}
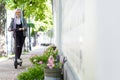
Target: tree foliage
{"points": [[39, 10]]}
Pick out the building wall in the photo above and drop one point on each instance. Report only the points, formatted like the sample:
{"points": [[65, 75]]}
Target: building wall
{"points": [[88, 35], [75, 37], [72, 21], [79, 37], [108, 40]]}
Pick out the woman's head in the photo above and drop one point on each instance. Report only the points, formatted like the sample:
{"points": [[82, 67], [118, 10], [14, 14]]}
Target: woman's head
{"points": [[18, 13]]}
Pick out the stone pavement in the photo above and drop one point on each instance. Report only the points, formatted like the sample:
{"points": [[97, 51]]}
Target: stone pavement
{"points": [[7, 70]]}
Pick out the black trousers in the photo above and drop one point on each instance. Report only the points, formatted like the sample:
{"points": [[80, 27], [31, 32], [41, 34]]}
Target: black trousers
{"points": [[18, 46], [19, 41]]}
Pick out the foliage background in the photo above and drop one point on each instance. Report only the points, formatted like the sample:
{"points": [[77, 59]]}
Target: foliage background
{"points": [[39, 11]]}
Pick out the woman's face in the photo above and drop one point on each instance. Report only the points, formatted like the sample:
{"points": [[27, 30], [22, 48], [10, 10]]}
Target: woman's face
{"points": [[18, 13]]}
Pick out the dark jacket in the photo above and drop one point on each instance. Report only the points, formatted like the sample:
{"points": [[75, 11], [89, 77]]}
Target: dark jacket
{"points": [[24, 25]]}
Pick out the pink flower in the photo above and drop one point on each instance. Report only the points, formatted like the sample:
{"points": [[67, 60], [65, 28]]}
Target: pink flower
{"points": [[40, 62], [50, 62]]}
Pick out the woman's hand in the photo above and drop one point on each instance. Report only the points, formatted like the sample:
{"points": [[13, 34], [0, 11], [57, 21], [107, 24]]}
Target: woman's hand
{"points": [[20, 29]]}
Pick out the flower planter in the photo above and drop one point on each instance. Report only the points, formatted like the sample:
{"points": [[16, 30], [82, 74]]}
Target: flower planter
{"points": [[52, 74]]}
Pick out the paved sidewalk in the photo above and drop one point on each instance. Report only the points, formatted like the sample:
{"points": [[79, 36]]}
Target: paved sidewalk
{"points": [[7, 70]]}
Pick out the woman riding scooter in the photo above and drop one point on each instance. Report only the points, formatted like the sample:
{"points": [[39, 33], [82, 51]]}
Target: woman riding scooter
{"points": [[19, 27]]}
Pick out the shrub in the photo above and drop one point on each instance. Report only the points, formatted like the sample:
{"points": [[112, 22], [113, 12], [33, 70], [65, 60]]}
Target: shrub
{"points": [[33, 73], [44, 57], [40, 63]]}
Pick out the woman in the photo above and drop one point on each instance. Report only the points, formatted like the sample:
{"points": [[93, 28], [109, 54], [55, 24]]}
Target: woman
{"points": [[19, 27]]}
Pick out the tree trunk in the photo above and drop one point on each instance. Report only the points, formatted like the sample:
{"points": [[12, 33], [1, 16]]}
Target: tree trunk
{"points": [[35, 39], [2, 28]]}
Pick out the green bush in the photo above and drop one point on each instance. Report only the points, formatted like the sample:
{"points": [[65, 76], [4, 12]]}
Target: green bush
{"points": [[44, 57], [37, 71], [33, 73]]}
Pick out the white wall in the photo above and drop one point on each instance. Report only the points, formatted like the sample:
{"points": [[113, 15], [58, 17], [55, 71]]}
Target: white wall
{"points": [[71, 23], [89, 43], [77, 38], [108, 39], [90, 38]]}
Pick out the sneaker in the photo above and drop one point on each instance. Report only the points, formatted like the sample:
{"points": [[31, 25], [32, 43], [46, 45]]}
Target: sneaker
{"points": [[19, 60]]}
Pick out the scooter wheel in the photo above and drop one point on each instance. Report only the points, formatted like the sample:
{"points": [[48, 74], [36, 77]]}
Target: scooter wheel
{"points": [[20, 64], [15, 64]]}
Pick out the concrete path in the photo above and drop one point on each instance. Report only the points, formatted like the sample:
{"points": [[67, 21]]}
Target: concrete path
{"points": [[7, 70]]}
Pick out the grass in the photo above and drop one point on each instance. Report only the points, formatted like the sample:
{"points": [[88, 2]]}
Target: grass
{"points": [[3, 58], [25, 51]]}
